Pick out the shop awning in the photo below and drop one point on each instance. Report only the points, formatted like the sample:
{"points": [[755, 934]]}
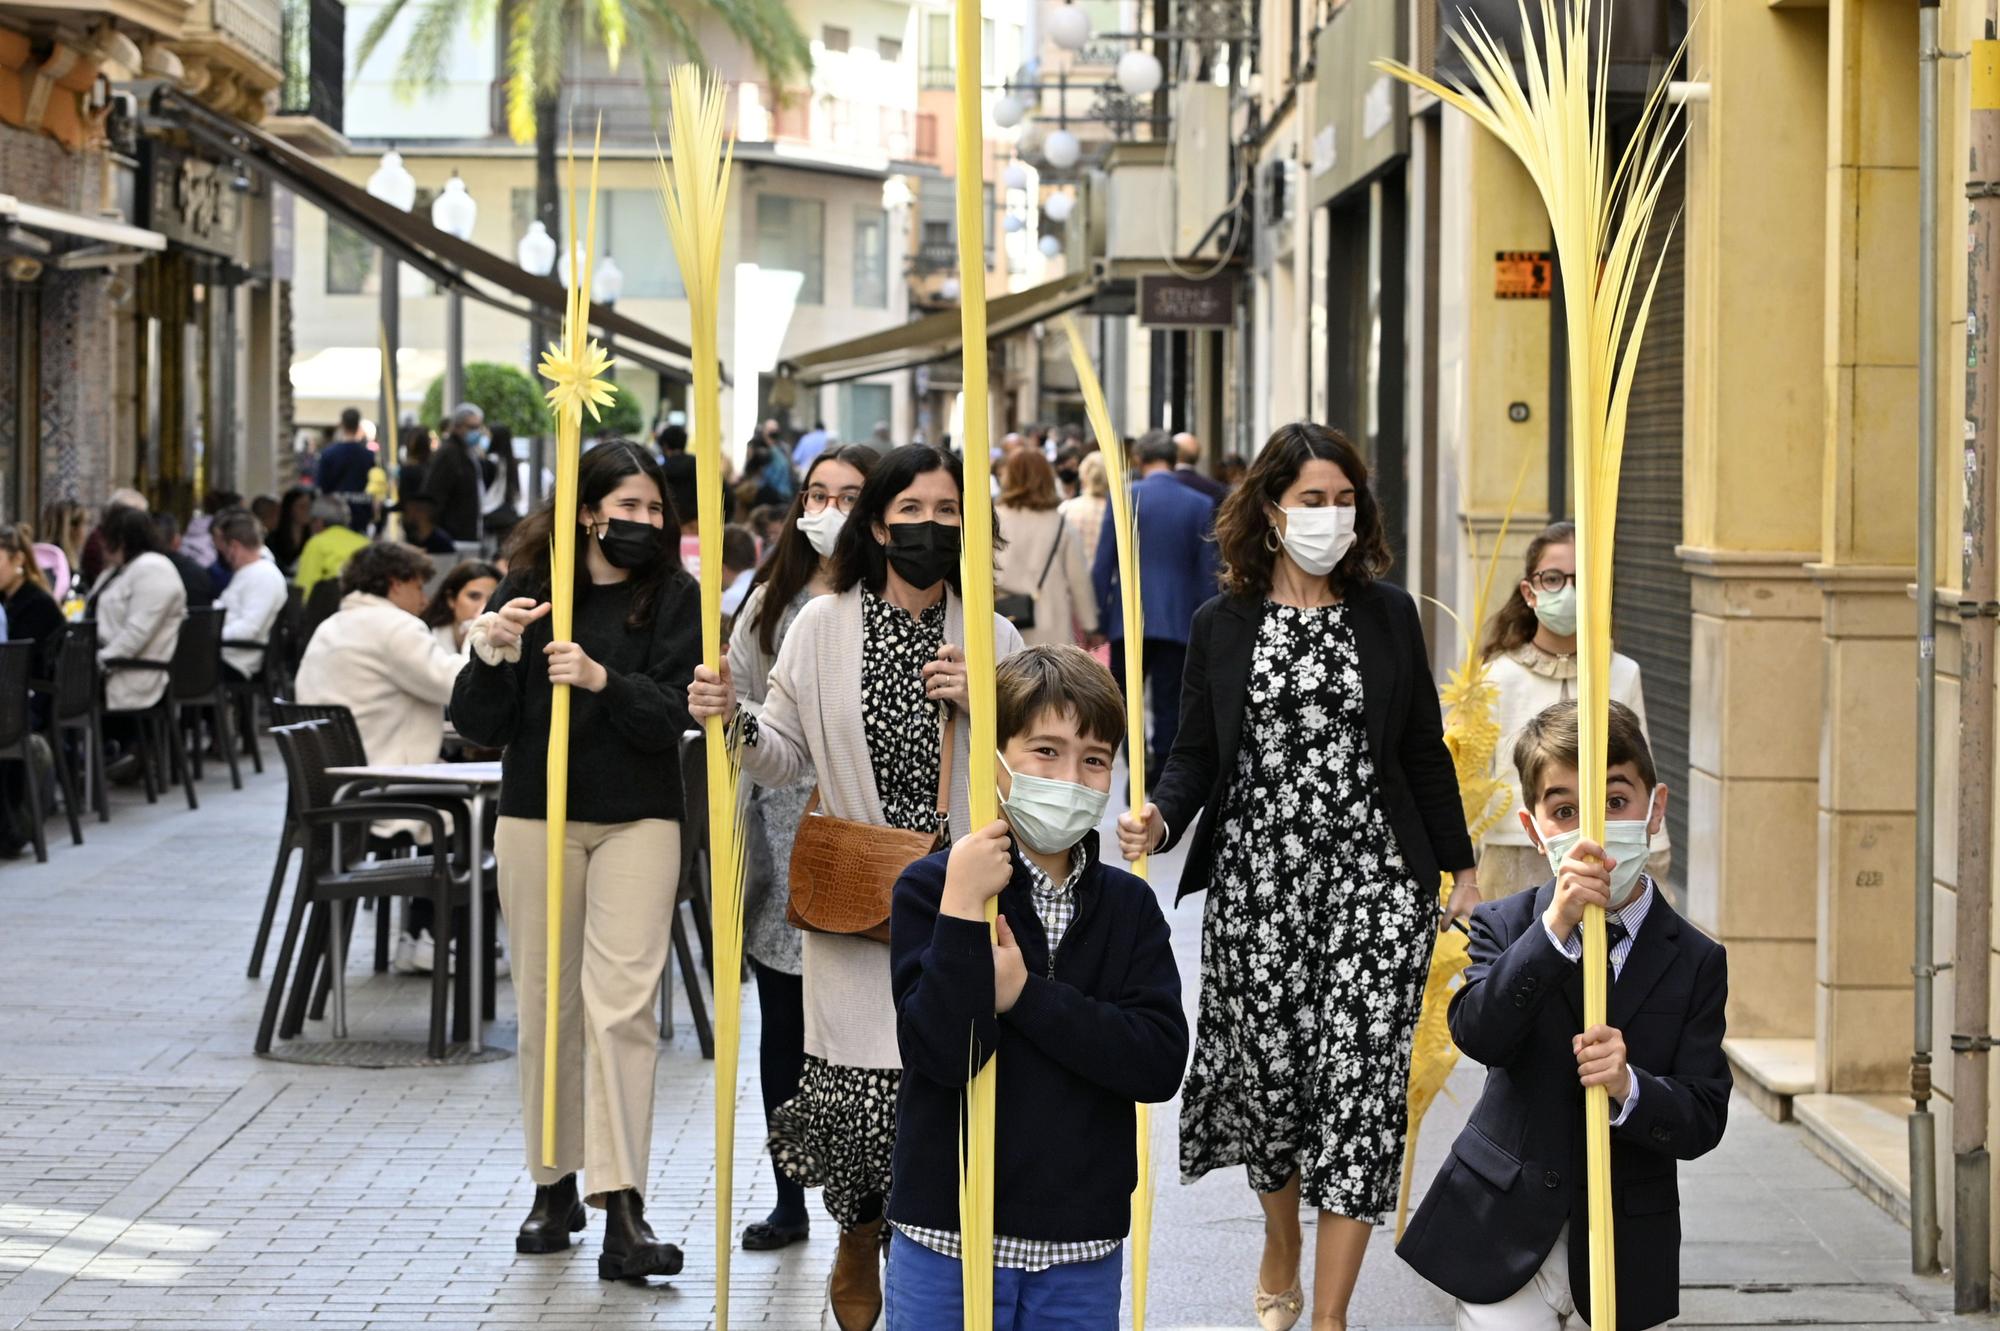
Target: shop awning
{"points": [[72, 240], [937, 336], [444, 258]]}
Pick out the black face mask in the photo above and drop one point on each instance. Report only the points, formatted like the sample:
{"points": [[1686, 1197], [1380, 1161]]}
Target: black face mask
{"points": [[627, 544], [923, 553]]}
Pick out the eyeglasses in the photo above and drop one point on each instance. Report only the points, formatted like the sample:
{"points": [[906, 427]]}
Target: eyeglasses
{"points": [[1551, 580], [817, 500]]}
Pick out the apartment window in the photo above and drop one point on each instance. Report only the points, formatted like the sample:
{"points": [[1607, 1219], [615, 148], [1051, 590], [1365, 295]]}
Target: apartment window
{"points": [[871, 259], [350, 261], [832, 38], [791, 235], [630, 229], [890, 50], [939, 223], [862, 408], [938, 56]]}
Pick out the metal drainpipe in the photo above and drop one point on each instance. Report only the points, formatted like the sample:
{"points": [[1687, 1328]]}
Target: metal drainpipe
{"points": [[1971, 1038], [1923, 1125]]}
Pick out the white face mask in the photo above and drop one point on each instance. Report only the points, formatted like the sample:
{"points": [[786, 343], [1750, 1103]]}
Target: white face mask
{"points": [[1318, 538], [1051, 816], [823, 528], [1627, 842], [1557, 611]]}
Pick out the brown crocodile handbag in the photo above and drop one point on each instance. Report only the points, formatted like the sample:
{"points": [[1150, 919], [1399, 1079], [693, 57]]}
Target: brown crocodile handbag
{"points": [[844, 872]]}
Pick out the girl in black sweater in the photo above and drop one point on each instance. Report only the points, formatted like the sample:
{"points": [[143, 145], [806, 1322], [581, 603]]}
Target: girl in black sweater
{"points": [[637, 625]]}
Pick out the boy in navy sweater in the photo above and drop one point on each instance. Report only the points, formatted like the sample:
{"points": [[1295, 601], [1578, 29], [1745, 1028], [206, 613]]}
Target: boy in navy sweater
{"points": [[1079, 997], [1504, 1226]]}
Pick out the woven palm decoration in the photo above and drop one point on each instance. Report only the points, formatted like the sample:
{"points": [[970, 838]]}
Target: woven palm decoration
{"points": [[1133, 611], [694, 197], [975, 1184], [1552, 116], [575, 368], [1470, 736]]}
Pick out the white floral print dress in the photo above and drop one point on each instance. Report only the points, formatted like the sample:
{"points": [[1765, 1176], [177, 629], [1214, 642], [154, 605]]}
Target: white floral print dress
{"points": [[1315, 941]]}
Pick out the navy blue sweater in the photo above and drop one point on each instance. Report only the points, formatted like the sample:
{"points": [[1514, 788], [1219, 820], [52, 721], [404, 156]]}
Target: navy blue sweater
{"points": [[1076, 1051]]}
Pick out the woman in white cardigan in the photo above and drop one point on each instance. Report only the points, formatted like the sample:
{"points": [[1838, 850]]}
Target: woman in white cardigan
{"points": [[139, 608], [863, 681], [1042, 556], [1530, 655]]}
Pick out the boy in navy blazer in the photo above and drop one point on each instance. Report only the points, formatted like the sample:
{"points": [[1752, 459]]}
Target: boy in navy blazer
{"points": [[1504, 1226]]}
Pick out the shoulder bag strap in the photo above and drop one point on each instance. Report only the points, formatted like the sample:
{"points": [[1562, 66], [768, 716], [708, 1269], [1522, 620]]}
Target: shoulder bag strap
{"points": [[944, 763], [1051, 561]]}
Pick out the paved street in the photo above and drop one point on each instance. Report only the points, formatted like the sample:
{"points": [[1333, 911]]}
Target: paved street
{"points": [[153, 1173]]}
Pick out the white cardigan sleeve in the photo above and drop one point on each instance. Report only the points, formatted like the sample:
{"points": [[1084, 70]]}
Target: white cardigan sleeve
{"points": [[781, 755], [152, 588]]}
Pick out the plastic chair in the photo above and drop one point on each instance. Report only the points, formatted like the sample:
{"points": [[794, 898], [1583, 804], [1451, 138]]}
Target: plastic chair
{"points": [[692, 898], [17, 661], [72, 694], [194, 686], [331, 881], [340, 745]]}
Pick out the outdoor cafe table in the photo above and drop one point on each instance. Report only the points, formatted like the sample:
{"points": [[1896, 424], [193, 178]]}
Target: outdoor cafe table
{"points": [[482, 780]]}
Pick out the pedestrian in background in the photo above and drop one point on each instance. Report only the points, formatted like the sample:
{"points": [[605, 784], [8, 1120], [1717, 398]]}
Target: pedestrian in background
{"points": [[1042, 560], [453, 478], [1187, 468], [342, 471], [1177, 574], [1311, 772]]}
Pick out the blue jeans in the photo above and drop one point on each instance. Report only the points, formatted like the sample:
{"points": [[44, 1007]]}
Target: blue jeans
{"points": [[922, 1293]]}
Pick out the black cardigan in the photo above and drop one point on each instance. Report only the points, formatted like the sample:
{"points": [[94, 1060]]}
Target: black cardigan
{"points": [[624, 762], [1076, 1051], [1415, 781]]}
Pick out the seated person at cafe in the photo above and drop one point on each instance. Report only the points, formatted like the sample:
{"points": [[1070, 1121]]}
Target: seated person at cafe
{"points": [[255, 594], [200, 587], [327, 551], [376, 657], [420, 526]]}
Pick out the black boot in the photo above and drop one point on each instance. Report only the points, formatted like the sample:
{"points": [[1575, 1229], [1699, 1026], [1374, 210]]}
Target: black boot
{"points": [[630, 1250], [557, 1214]]}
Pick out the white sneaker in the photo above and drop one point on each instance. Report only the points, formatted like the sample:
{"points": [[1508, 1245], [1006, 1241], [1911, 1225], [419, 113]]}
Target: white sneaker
{"points": [[414, 956]]}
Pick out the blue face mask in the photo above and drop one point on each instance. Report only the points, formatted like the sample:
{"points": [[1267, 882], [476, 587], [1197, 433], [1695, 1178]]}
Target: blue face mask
{"points": [[1051, 816], [476, 438]]}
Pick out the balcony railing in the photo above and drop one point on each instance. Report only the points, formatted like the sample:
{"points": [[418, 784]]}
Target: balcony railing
{"points": [[315, 33], [252, 28], [634, 114]]}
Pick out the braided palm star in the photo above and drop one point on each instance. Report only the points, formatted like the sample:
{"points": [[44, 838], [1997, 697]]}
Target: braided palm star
{"points": [[575, 369]]}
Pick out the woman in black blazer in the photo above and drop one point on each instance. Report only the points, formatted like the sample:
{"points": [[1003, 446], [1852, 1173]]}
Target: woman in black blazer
{"points": [[1311, 736]]}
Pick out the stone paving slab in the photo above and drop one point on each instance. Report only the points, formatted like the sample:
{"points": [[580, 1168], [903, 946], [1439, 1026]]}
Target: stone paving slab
{"points": [[154, 1174]]}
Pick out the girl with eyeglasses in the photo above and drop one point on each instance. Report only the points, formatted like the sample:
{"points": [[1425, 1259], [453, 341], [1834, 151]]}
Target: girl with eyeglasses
{"points": [[1530, 652], [799, 569]]}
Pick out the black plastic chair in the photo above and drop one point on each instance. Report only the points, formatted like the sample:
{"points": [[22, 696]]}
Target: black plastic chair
{"points": [[72, 695], [243, 696], [330, 883], [194, 686], [17, 663], [341, 746]]}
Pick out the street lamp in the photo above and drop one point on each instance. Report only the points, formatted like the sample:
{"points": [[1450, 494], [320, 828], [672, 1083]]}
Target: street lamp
{"points": [[393, 185], [537, 255], [1139, 73], [607, 284], [1061, 149], [1069, 27], [454, 213], [1059, 206]]}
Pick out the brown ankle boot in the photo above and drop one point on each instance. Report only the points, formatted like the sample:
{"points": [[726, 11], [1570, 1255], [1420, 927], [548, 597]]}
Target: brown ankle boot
{"points": [[856, 1286]]}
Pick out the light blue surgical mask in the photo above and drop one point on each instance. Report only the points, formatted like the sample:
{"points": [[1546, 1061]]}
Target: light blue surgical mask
{"points": [[1051, 816], [1627, 842], [1557, 611]]}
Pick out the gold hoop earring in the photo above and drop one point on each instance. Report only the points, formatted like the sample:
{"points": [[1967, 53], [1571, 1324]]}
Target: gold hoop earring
{"points": [[1271, 541]]}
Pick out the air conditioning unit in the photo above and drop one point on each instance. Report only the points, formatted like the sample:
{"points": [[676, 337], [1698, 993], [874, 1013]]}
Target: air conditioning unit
{"points": [[1277, 210]]}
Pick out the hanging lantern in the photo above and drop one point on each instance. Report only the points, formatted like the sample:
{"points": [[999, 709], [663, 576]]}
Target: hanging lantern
{"points": [[1061, 149], [1012, 223], [1059, 207], [1008, 110], [1015, 176], [1051, 246]]}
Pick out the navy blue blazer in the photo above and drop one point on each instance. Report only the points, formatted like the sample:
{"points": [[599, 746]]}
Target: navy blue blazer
{"points": [[1414, 776], [1516, 1173], [1178, 564]]}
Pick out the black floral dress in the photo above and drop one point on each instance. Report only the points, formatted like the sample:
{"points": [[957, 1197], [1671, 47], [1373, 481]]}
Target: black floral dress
{"points": [[839, 1133], [1315, 941]]}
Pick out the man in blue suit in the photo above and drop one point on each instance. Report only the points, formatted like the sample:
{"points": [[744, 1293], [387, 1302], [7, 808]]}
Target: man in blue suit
{"points": [[1177, 573]]}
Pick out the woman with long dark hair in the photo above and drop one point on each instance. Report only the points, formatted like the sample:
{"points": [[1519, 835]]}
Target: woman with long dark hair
{"points": [[288, 539], [636, 639], [461, 598], [867, 689], [1311, 737], [1530, 653], [800, 568]]}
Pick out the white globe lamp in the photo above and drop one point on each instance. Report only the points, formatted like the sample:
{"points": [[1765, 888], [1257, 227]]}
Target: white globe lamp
{"points": [[1139, 73], [948, 288], [392, 184], [1012, 223], [1059, 206], [453, 211], [1051, 246], [537, 250], [1015, 176], [1061, 149], [1069, 27], [1008, 110]]}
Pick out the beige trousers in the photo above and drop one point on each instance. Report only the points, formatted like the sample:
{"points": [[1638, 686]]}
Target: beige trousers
{"points": [[619, 882], [1543, 1304]]}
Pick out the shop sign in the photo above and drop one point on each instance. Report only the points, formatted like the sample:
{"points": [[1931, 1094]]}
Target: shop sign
{"points": [[193, 201], [1524, 275], [1166, 301]]}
